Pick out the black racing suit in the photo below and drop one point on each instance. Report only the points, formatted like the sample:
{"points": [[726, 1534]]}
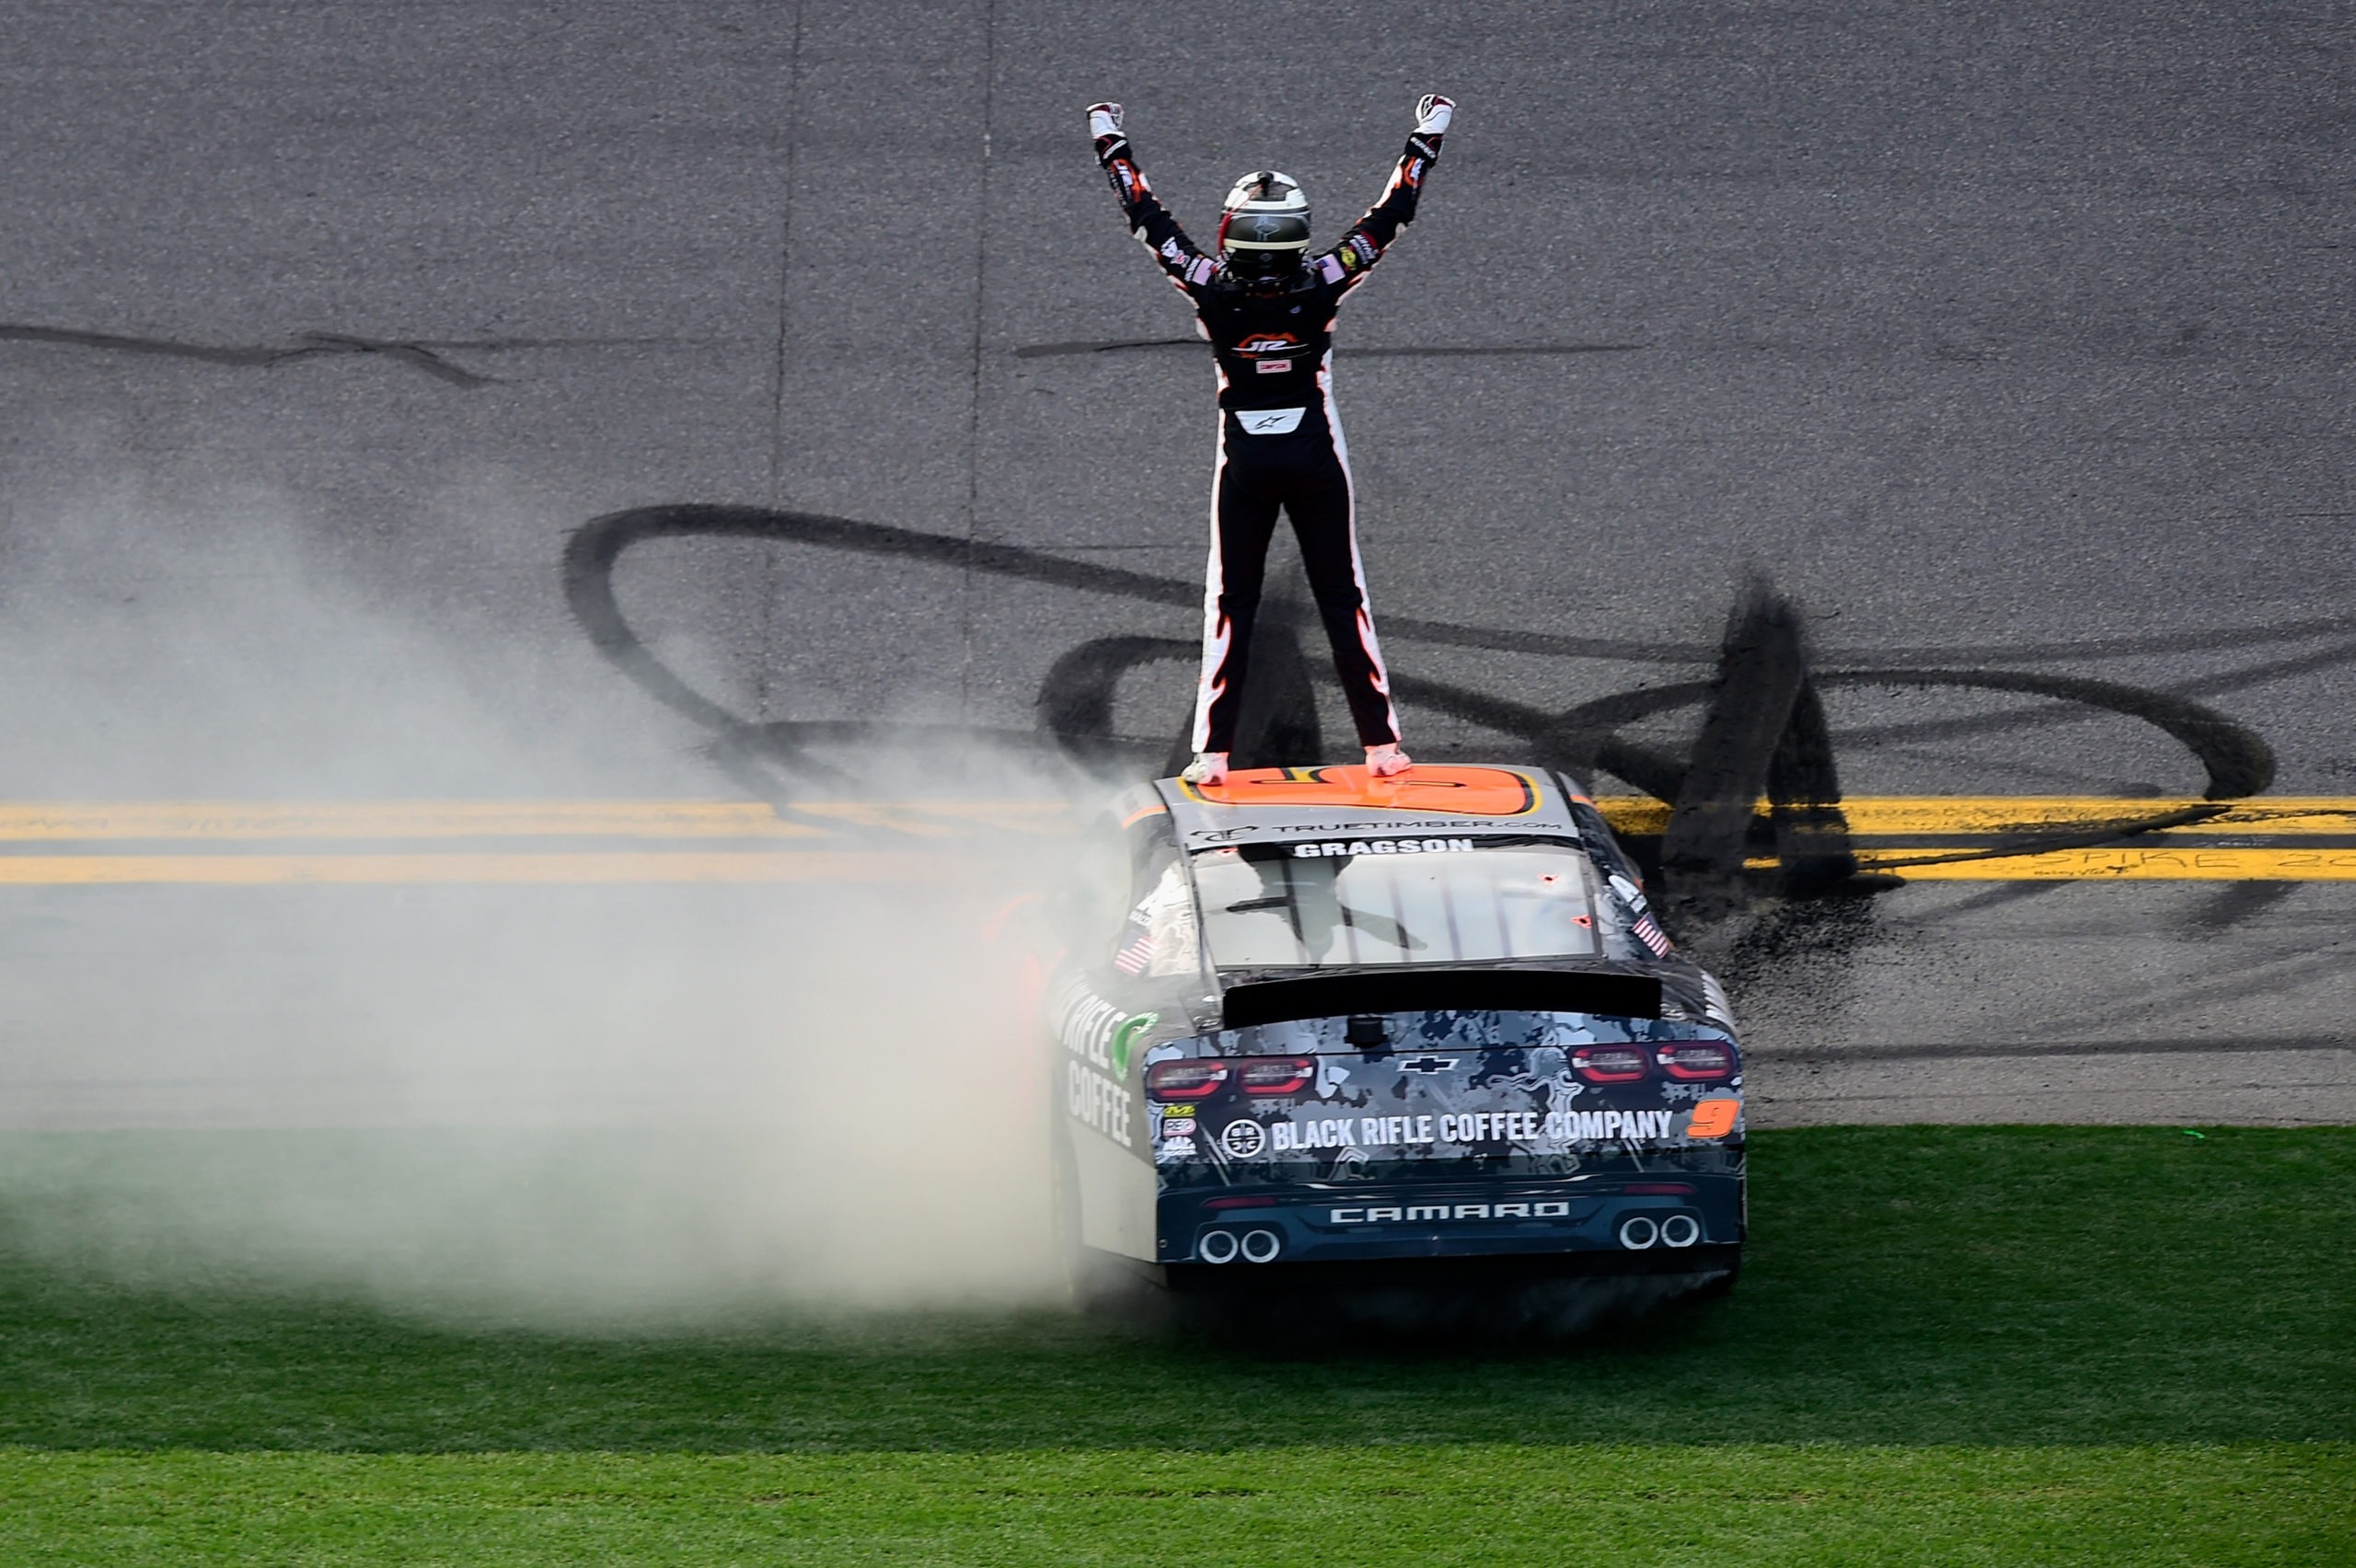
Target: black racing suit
{"points": [[1280, 440]]}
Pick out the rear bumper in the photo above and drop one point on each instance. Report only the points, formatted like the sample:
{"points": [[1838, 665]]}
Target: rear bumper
{"points": [[1493, 1269], [1633, 1225]]}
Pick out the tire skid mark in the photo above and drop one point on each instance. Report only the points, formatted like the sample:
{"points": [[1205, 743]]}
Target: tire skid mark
{"points": [[2011, 718], [1763, 727]]}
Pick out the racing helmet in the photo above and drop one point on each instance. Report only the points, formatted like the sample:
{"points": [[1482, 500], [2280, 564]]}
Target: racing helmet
{"points": [[1264, 228]]}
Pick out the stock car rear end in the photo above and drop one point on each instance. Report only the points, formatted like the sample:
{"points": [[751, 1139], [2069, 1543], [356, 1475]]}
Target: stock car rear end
{"points": [[1318, 1028]]}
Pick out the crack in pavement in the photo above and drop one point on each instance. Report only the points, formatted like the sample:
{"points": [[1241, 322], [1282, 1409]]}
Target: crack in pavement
{"points": [[419, 353]]}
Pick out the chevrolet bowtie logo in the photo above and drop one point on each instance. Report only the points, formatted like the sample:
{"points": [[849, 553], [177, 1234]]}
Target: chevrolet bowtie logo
{"points": [[1428, 1064]]}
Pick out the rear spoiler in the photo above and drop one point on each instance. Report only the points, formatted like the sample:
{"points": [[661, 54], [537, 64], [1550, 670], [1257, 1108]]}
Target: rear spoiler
{"points": [[1435, 990]]}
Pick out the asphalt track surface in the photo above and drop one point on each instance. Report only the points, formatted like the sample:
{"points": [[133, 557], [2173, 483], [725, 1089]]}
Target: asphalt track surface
{"points": [[2010, 346]]}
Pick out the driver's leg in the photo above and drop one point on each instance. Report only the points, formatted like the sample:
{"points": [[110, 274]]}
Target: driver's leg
{"points": [[1243, 516], [1324, 520]]}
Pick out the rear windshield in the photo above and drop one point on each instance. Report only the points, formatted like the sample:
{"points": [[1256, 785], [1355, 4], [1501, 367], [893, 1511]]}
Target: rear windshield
{"points": [[1395, 900]]}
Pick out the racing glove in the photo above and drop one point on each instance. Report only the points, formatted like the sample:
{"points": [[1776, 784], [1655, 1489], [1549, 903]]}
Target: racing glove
{"points": [[1432, 114], [1105, 126]]}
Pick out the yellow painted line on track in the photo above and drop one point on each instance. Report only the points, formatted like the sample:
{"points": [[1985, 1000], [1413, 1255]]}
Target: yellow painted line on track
{"points": [[1932, 815], [124, 820], [277, 842], [625, 867], [28, 821], [2272, 864], [1868, 816], [620, 866]]}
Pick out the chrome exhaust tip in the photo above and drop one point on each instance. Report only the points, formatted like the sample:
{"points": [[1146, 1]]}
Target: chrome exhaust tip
{"points": [[1262, 1246], [1216, 1246], [1638, 1232], [1679, 1230]]}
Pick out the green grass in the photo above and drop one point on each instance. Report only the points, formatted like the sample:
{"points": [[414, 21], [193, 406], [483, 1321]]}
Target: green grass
{"points": [[1496, 1503], [1950, 1345]]}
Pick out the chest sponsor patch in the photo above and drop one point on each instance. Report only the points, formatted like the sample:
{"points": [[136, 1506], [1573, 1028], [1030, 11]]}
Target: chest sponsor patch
{"points": [[1268, 343], [1272, 367], [1269, 421]]}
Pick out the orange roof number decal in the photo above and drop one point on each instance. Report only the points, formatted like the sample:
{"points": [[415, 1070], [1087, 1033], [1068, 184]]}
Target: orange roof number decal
{"points": [[1464, 791]]}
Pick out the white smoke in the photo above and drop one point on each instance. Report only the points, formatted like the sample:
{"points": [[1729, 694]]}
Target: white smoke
{"points": [[544, 1103]]}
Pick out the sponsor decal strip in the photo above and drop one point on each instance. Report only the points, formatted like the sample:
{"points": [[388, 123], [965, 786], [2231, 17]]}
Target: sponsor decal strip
{"points": [[1491, 1126], [1382, 846]]}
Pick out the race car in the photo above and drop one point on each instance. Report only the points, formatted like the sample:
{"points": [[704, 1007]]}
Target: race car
{"points": [[1312, 1026]]}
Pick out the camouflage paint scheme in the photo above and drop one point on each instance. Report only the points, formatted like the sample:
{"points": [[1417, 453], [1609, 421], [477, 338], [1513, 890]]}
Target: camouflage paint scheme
{"points": [[1446, 1132]]}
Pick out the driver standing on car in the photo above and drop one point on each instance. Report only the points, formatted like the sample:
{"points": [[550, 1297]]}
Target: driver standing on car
{"points": [[1267, 307]]}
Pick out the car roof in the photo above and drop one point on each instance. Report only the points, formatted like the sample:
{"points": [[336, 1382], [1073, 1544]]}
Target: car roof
{"points": [[1286, 804]]}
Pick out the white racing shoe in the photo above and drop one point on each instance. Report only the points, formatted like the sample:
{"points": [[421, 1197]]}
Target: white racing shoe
{"points": [[1209, 768], [1385, 762]]}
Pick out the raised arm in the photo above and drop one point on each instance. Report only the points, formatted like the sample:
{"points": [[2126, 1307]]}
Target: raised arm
{"points": [[1372, 235], [1148, 220]]}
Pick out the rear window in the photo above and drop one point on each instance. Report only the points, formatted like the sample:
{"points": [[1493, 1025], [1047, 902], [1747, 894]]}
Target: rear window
{"points": [[1393, 900]]}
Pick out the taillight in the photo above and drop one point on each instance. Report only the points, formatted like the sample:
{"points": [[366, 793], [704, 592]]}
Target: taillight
{"points": [[1186, 1078], [1608, 1064], [1275, 1075], [1696, 1059], [1197, 1077]]}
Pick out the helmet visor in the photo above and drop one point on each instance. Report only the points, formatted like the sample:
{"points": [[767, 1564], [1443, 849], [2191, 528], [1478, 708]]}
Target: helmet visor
{"points": [[1248, 230]]}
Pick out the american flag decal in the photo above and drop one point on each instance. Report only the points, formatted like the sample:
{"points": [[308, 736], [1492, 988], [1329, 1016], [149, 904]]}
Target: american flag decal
{"points": [[1647, 932], [1132, 958]]}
